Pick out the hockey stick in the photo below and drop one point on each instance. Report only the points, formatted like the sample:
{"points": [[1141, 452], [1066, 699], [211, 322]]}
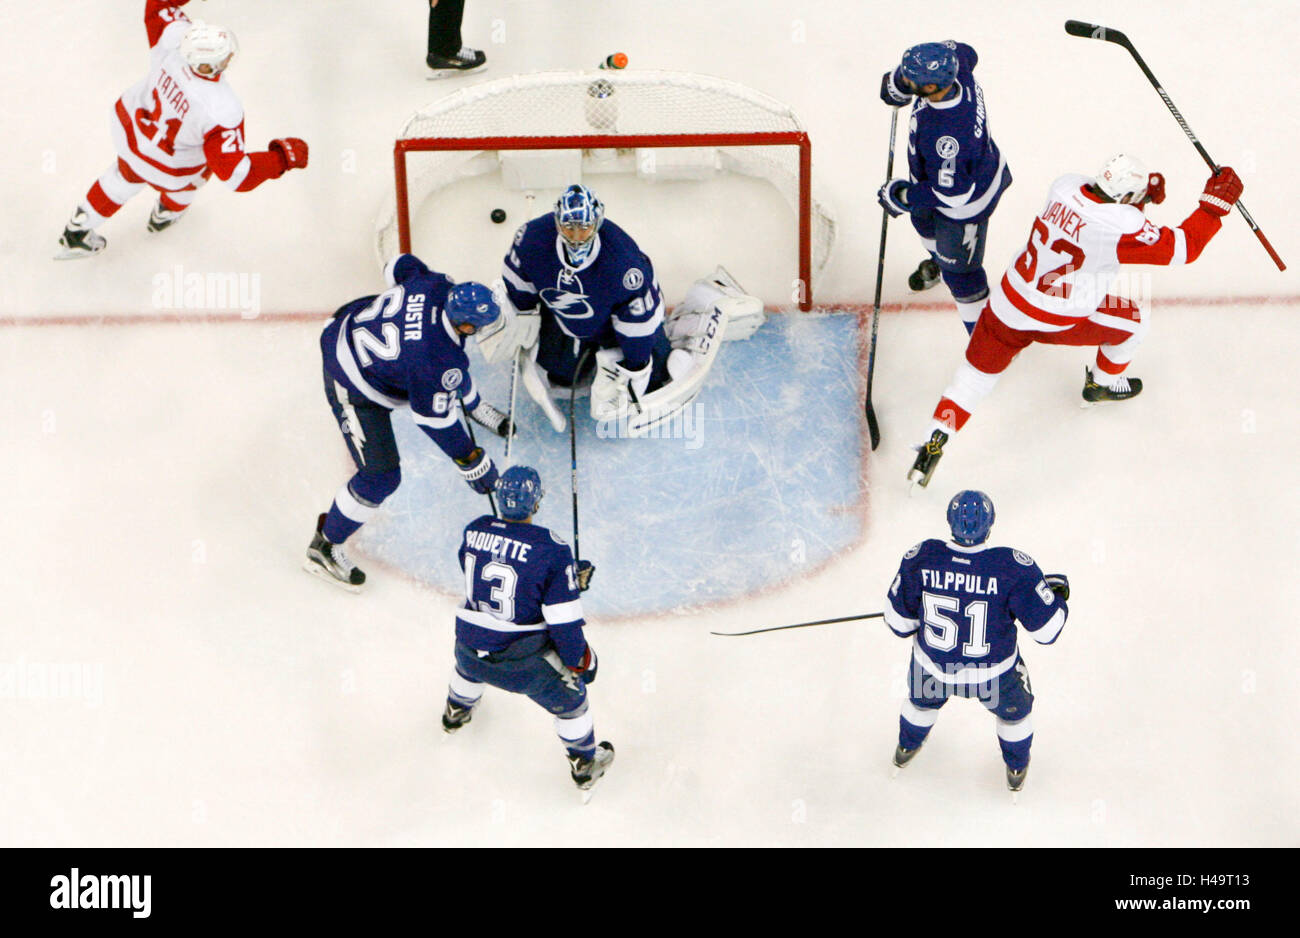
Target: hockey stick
{"points": [[510, 415], [573, 453], [873, 425], [804, 625], [1106, 34], [469, 428]]}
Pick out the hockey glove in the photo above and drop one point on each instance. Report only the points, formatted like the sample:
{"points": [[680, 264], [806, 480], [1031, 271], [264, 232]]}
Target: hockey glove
{"points": [[587, 669], [1222, 191], [1059, 584], [1155, 189], [893, 197], [477, 471], [890, 91], [585, 569], [485, 415], [292, 151]]}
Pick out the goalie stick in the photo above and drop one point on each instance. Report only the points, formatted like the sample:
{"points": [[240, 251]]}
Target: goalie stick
{"points": [[804, 625], [873, 425], [1106, 34]]}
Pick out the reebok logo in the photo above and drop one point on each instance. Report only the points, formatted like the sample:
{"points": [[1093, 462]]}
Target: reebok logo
{"points": [[102, 892]]}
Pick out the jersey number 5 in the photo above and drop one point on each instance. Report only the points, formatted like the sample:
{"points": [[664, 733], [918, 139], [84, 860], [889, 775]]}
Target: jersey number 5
{"points": [[1027, 264]]}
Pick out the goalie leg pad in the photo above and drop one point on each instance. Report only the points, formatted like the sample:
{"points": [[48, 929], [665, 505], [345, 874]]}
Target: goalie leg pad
{"points": [[744, 313]]}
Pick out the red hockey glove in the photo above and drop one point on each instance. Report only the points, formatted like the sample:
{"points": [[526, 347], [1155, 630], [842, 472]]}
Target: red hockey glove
{"points": [[292, 150], [1155, 188], [1222, 191]]}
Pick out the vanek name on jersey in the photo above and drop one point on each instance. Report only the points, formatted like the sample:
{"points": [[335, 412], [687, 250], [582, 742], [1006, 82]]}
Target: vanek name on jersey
{"points": [[950, 580]]}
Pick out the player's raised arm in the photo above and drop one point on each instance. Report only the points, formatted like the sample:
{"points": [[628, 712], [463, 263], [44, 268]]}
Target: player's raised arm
{"points": [[1169, 246], [244, 172], [159, 14]]}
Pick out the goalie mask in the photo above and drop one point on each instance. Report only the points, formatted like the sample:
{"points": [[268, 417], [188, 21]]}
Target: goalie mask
{"points": [[207, 45], [578, 216]]}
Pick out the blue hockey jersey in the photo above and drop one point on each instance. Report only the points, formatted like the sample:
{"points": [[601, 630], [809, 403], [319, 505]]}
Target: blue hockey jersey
{"points": [[955, 167], [519, 580], [399, 349], [962, 605], [612, 298]]}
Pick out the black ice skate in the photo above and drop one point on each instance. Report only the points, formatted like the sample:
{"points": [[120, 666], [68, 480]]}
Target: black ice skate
{"points": [[161, 219], [79, 239], [903, 756], [927, 458], [330, 562], [1016, 780], [924, 277], [454, 717], [466, 60], [485, 415], [1094, 393], [586, 772]]}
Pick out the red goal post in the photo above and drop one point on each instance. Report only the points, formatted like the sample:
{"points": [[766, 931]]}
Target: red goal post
{"points": [[720, 123]]}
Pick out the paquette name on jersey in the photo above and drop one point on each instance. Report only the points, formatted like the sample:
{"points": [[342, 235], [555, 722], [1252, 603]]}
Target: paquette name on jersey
{"points": [[498, 545], [951, 580]]}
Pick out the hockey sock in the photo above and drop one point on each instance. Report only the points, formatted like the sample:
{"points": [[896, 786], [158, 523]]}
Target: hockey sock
{"points": [[176, 201], [462, 691], [109, 193], [577, 733], [357, 502], [970, 290], [914, 724], [1015, 740]]}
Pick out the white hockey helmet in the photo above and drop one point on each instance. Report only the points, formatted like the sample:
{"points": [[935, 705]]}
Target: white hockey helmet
{"points": [[1124, 179], [206, 44]]}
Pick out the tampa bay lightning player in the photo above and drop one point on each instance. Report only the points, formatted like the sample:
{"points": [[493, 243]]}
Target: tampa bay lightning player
{"points": [[404, 347], [960, 601], [520, 628], [957, 173], [584, 284]]}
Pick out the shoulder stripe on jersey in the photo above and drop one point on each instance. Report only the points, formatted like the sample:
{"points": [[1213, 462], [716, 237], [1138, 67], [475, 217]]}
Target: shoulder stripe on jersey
{"points": [[1048, 633], [450, 419], [485, 620], [635, 330], [568, 613], [242, 169], [1180, 247], [515, 280]]}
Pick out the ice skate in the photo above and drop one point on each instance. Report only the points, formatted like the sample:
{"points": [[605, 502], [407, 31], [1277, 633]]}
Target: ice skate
{"points": [[330, 562], [485, 415], [902, 757], [454, 717], [466, 60], [924, 277], [161, 219], [586, 772], [1016, 781], [1094, 393], [79, 239], [927, 458]]}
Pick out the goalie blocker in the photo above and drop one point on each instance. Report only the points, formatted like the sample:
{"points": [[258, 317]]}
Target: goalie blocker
{"points": [[715, 309]]}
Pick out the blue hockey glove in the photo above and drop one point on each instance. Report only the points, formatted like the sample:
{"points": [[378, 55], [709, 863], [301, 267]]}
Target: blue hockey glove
{"points": [[477, 471], [585, 569], [893, 197], [891, 92], [587, 669], [1059, 584]]}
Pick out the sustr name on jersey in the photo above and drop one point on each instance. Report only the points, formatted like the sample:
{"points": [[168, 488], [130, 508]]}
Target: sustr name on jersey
{"points": [[952, 580], [498, 545], [414, 330]]}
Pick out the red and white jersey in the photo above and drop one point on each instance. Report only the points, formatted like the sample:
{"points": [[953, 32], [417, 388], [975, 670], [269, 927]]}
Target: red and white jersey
{"points": [[1076, 248], [175, 127]]}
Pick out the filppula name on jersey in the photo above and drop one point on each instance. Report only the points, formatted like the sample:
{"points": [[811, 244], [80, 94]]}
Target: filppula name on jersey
{"points": [[950, 580], [179, 289], [76, 891]]}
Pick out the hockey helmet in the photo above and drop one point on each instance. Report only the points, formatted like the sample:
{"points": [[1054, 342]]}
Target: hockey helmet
{"points": [[930, 63], [519, 492], [471, 304], [205, 44], [1124, 179], [578, 216], [970, 516]]}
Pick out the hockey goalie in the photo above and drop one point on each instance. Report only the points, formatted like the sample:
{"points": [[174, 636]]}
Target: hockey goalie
{"points": [[584, 304]]}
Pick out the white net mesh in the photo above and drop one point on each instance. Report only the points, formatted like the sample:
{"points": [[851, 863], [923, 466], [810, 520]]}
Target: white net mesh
{"points": [[586, 103]]}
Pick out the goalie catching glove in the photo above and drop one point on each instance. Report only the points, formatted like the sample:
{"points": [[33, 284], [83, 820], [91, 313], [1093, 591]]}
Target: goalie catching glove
{"points": [[477, 471]]}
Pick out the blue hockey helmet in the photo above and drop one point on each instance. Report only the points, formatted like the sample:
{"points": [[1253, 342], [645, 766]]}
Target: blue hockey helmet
{"points": [[472, 304], [519, 492], [970, 516], [930, 63], [578, 216]]}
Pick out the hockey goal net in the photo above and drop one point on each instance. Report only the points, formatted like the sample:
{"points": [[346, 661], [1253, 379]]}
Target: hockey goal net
{"points": [[547, 130]]}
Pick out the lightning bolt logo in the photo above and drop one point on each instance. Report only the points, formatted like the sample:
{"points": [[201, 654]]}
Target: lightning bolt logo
{"points": [[970, 240]]}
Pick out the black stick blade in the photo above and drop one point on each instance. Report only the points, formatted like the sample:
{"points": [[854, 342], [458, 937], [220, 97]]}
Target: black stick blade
{"points": [[1093, 31], [873, 426]]}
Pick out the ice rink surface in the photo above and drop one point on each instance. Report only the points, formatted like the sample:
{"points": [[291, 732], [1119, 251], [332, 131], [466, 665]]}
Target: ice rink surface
{"points": [[169, 676]]}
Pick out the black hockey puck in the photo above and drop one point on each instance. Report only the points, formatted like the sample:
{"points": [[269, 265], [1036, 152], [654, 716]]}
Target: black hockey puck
{"points": [[498, 215]]}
